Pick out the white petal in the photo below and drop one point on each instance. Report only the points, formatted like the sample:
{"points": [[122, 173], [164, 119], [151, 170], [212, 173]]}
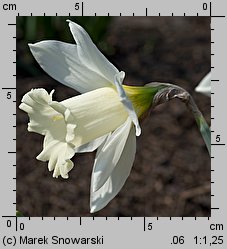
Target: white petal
{"points": [[118, 79], [62, 62], [115, 182], [205, 85], [90, 55], [91, 146], [108, 155]]}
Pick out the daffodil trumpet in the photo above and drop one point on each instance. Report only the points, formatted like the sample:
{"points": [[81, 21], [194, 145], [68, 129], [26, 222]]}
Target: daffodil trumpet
{"points": [[105, 117]]}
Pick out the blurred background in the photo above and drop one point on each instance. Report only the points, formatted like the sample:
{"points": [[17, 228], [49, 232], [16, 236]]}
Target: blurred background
{"points": [[171, 172]]}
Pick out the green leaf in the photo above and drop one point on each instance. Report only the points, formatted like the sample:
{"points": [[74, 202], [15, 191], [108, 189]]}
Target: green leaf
{"points": [[19, 214], [205, 131]]}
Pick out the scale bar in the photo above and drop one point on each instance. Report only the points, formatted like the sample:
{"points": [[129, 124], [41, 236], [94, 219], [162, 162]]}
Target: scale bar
{"points": [[217, 144], [9, 216], [8, 88], [217, 16], [210, 9], [82, 11]]}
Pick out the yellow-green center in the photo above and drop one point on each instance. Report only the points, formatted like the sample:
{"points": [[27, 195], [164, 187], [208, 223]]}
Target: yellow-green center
{"points": [[141, 97]]}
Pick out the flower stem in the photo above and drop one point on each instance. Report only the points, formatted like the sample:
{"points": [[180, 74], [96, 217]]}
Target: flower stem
{"points": [[168, 92]]}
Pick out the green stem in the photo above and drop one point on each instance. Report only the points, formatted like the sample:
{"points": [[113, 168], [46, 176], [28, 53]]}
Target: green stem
{"points": [[169, 92]]}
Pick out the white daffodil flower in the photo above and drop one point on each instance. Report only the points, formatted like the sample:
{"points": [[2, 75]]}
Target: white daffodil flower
{"points": [[104, 116], [205, 85]]}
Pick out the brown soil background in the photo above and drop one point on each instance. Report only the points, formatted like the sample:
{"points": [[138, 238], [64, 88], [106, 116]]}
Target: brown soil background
{"points": [[171, 172]]}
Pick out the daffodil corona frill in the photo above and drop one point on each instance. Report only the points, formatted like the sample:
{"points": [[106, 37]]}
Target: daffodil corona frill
{"points": [[103, 117]]}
